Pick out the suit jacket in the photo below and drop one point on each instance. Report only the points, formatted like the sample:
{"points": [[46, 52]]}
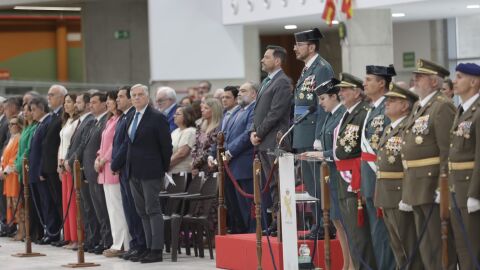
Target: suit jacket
{"points": [[427, 135], [171, 121], [94, 138], [465, 147], [237, 142], [36, 155], [388, 191], [326, 133], [79, 140], [120, 143], [148, 156], [305, 96], [51, 142], [225, 126], [272, 110], [4, 133], [375, 125], [347, 147]]}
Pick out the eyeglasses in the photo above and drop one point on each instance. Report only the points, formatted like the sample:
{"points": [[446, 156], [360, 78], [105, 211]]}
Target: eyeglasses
{"points": [[13, 124], [299, 44]]}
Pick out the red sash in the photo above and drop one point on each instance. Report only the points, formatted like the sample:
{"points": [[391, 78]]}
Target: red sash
{"points": [[353, 165], [369, 157]]}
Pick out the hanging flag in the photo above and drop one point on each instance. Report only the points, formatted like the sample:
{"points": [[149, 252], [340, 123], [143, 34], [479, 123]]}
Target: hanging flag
{"points": [[329, 12], [347, 8]]}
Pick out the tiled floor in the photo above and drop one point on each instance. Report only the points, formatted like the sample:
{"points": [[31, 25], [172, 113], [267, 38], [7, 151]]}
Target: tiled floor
{"points": [[60, 256]]}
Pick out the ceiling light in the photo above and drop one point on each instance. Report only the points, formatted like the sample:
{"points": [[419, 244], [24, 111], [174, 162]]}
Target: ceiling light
{"points": [[335, 22], [48, 8], [290, 26], [398, 15], [473, 6]]}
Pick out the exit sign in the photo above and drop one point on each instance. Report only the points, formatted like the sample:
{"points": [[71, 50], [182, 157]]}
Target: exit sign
{"points": [[122, 34], [408, 59]]}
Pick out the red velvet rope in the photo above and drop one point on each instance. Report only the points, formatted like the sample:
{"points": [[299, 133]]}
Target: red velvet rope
{"points": [[237, 186]]}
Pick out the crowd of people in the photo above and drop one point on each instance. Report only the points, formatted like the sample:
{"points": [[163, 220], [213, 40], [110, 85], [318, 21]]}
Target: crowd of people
{"points": [[385, 146]]}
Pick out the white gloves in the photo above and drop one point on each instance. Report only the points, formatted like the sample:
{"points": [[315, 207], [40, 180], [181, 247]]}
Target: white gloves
{"points": [[473, 205], [404, 207], [437, 197], [317, 145]]}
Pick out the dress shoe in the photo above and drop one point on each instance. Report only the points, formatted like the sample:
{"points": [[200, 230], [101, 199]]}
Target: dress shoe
{"points": [[139, 255], [272, 230], [110, 253], [155, 255], [99, 249], [130, 253], [47, 240], [60, 243]]}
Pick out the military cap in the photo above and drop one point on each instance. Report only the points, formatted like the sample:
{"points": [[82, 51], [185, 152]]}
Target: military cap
{"points": [[328, 87], [399, 92], [430, 68], [348, 80], [469, 68], [309, 35], [381, 71]]}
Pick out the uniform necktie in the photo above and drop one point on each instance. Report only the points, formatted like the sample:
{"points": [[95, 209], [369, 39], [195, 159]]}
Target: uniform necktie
{"points": [[460, 110], [134, 126], [304, 70]]}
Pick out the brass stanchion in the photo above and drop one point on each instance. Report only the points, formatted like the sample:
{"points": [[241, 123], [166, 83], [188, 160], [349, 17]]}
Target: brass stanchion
{"points": [[26, 193], [444, 216], [222, 209], [325, 190], [257, 193], [77, 178]]}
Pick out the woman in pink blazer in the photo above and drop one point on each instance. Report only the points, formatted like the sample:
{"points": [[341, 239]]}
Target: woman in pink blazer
{"points": [[111, 182]]}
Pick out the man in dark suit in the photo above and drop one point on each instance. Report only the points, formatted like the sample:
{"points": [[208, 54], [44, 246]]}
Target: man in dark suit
{"points": [[3, 137], [316, 71], [239, 153], [166, 100], [99, 110], [119, 152], [75, 151], [51, 142], [148, 158], [42, 194], [271, 114]]}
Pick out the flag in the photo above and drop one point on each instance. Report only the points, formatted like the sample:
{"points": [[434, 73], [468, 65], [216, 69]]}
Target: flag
{"points": [[329, 12], [347, 8]]}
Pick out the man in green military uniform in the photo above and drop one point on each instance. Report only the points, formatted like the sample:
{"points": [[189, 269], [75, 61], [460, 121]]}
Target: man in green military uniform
{"points": [[315, 72], [376, 84], [425, 158], [388, 189], [347, 152], [464, 155]]}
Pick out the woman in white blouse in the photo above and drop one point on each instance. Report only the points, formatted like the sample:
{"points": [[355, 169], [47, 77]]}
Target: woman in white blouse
{"points": [[183, 140], [69, 124]]}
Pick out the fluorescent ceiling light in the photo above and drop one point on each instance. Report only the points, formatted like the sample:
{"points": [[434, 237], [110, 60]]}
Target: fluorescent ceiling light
{"points": [[335, 22], [290, 26], [48, 8], [473, 6], [398, 15]]}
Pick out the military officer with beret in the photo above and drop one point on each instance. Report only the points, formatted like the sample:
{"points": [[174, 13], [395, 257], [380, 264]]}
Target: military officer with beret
{"points": [[464, 155], [376, 84], [347, 152], [425, 158], [388, 189], [315, 72]]}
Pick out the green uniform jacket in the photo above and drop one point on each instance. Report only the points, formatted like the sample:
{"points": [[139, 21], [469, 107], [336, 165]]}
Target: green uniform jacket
{"points": [[388, 191], [465, 147], [427, 135]]}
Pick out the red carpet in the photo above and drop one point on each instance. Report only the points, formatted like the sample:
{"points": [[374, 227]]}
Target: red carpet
{"points": [[238, 252]]}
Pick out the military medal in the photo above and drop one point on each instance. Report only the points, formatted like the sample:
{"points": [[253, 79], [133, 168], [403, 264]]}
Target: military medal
{"points": [[301, 96], [308, 84], [463, 129], [310, 96], [419, 140], [393, 146], [391, 159], [348, 149]]}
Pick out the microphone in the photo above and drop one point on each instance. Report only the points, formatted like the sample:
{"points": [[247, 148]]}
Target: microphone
{"points": [[302, 117]]}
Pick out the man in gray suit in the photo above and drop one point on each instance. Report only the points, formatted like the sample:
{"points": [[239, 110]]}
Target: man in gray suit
{"points": [[99, 110], [75, 151], [316, 71], [271, 114]]}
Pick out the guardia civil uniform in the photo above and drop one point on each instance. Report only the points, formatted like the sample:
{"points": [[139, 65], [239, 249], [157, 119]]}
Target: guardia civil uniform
{"points": [[425, 157], [464, 174], [373, 129], [388, 187], [347, 137], [315, 72]]}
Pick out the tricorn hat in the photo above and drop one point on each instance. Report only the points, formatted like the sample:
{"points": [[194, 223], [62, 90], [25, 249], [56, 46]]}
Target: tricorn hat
{"points": [[309, 35], [328, 87]]}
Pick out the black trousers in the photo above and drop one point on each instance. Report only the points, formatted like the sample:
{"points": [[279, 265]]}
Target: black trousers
{"points": [[90, 222], [98, 199]]}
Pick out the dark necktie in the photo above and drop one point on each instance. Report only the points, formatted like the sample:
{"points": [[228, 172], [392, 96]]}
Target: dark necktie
{"points": [[347, 113], [460, 110]]}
